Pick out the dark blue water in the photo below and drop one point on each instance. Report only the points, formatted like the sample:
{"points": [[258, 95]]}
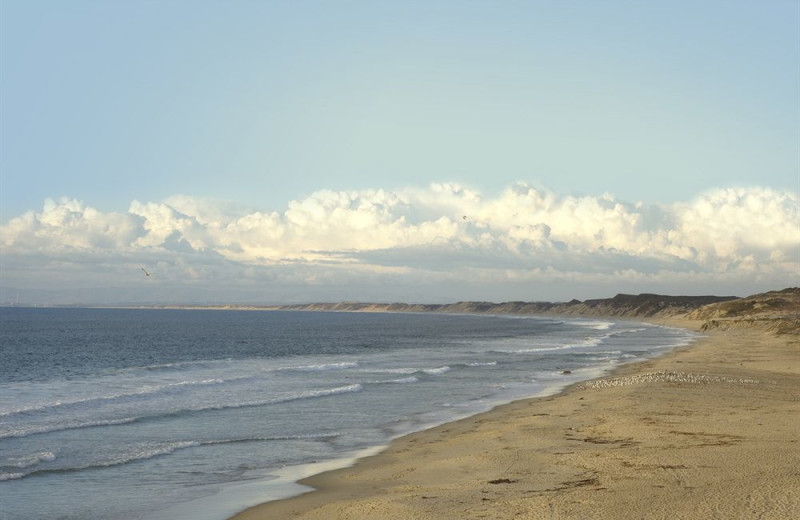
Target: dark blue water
{"points": [[121, 413], [55, 342]]}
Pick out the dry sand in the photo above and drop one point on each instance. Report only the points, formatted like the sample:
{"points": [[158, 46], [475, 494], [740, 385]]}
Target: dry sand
{"points": [[709, 431]]}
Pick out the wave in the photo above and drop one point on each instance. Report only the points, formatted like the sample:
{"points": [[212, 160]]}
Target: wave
{"points": [[144, 452], [71, 425], [596, 325], [402, 380], [298, 437], [155, 390], [201, 363], [591, 354], [535, 350], [9, 467], [26, 461], [592, 341], [140, 380], [410, 370], [630, 331], [6, 433], [404, 370], [245, 363], [93, 401], [322, 367], [147, 451], [436, 371]]}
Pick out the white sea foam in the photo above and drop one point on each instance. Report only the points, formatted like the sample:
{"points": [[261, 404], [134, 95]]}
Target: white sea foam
{"points": [[146, 451], [32, 429], [402, 380], [596, 325], [436, 371], [588, 342], [311, 394], [323, 367], [135, 452], [142, 451], [180, 365], [96, 400], [405, 370], [299, 437], [535, 350], [629, 331], [25, 430], [26, 461]]}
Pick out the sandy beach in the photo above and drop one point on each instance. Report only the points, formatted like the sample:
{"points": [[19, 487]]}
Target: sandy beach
{"points": [[707, 431]]}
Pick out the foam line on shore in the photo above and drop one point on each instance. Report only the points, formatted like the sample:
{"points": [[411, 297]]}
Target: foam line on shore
{"points": [[285, 482]]}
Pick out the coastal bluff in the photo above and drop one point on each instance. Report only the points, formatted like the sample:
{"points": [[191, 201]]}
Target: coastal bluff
{"points": [[621, 305], [776, 311]]}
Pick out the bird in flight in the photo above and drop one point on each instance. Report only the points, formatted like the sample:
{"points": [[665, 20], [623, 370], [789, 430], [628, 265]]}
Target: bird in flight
{"points": [[145, 272]]}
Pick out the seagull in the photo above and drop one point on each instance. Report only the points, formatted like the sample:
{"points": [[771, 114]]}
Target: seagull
{"points": [[464, 217], [145, 272]]}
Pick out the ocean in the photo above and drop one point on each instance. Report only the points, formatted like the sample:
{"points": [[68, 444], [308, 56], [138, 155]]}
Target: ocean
{"points": [[176, 414]]}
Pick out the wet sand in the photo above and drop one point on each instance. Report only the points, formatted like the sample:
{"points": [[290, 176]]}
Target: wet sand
{"points": [[707, 431]]}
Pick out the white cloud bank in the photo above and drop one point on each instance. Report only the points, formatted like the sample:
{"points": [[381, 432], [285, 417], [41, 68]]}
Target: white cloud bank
{"points": [[441, 243]]}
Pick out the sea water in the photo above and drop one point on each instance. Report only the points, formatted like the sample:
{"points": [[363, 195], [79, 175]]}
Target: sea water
{"points": [[156, 414]]}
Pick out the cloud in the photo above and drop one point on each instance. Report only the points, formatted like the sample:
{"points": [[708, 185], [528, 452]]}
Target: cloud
{"points": [[442, 234], [68, 225]]}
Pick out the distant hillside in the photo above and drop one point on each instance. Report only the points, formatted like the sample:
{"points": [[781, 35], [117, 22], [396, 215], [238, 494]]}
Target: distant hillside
{"points": [[621, 305], [777, 311]]}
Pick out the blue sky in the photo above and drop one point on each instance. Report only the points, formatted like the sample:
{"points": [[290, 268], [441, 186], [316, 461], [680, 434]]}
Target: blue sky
{"points": [[259, 105]]}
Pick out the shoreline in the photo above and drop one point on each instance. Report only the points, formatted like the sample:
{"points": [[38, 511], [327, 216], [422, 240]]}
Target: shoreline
{"points": [[580, 452], [289, 482]]}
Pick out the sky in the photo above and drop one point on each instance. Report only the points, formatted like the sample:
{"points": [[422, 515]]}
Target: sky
{"points": [[248, 151]]}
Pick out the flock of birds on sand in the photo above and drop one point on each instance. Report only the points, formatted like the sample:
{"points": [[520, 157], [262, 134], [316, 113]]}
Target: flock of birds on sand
{"points": [[664, 377]]}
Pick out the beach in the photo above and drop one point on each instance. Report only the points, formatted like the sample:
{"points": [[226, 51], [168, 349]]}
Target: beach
{"points": [[706, 431]]}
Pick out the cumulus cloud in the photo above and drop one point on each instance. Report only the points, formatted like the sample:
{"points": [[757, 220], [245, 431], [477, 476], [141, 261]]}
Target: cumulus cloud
{"points": [[441, 233]]}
